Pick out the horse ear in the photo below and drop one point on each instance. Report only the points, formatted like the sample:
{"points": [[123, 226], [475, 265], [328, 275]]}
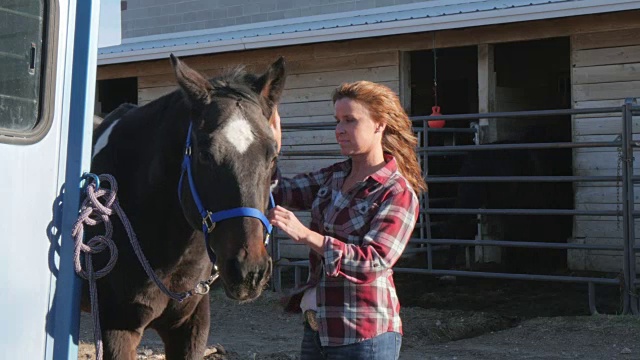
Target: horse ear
{"points": [[197, 88], [271, 83]]}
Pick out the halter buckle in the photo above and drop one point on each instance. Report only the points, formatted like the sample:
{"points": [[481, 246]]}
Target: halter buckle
{"points": [[208, 223], [187, 150]]}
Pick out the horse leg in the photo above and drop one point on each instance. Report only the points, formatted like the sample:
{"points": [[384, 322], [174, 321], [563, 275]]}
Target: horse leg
{"points": [[120, 344], [189, 339], [122, 328]]}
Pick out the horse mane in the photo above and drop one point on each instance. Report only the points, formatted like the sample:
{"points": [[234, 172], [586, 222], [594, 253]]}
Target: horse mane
{"points": [[234, 82]]}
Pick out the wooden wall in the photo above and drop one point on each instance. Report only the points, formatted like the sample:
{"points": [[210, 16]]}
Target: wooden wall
{"points": [[315, 69], [606, 70]]}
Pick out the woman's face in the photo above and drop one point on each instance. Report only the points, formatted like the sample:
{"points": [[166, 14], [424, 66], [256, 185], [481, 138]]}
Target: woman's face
{"points": [[356, 131]]}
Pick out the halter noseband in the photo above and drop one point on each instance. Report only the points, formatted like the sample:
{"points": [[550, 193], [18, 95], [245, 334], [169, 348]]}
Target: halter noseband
{"points": [[209, 219]]}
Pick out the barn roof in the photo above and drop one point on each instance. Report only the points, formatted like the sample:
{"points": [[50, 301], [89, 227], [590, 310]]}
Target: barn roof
{"points": [[393, 20]]}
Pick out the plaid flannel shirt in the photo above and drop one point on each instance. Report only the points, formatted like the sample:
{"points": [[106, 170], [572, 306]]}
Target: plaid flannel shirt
{"points": [[365, 232]]}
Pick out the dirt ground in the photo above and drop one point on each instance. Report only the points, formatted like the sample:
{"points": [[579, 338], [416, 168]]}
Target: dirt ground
{"points": [[462, 319]]}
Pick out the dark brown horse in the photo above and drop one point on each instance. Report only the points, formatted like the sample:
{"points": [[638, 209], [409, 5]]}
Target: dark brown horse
{"points": [[231, 159]]}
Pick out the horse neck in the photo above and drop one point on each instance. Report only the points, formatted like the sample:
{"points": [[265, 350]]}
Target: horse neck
{"points": [[171, 129], [155, 148]]}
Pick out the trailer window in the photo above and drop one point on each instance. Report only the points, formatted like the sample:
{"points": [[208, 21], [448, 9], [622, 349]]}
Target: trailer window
{"points": [[21, 50]]}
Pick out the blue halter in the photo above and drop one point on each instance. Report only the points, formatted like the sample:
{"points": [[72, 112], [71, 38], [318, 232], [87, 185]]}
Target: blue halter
{"points": [[209, 219]]}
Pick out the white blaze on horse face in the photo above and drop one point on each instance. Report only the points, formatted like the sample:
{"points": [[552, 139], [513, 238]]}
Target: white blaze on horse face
{"points": [[103, 140], [239, 132]]}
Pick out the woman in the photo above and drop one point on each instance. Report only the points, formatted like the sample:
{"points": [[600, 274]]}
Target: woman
{"points": [[363, 213]]}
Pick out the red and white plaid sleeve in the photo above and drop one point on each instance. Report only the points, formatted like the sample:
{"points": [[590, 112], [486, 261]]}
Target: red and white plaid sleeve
{"points": [[299, 191], [383, 244]]}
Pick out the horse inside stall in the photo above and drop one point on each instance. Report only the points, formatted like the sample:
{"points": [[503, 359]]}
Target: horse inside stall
{"points": [[516, 195], [232, 159]]}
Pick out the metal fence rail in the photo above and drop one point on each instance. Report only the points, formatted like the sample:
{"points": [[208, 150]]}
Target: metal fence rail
{"points": [[426, 243]]}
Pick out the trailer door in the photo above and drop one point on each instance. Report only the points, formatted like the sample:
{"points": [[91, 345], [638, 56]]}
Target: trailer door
{"points": [[47, 80]]}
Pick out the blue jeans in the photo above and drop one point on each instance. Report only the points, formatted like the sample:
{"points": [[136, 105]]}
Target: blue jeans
{"points": [[382, 347]]}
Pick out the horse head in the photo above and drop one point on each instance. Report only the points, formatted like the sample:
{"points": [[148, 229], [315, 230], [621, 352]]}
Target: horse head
{"points": [[231, 157]]}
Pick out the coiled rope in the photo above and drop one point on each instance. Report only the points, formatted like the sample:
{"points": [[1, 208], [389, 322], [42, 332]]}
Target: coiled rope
{"points": [[94, 212]]}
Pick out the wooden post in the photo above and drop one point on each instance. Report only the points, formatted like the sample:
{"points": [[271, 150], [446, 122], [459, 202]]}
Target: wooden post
{"points": [[486, 90], [487, 133], [405, 80]]}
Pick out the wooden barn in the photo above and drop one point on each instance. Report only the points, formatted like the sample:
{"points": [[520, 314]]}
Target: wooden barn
{"points": [[487, 56]]}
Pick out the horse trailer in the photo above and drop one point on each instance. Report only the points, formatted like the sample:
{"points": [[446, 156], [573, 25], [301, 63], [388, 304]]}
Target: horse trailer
{"points": [[48, 53]]}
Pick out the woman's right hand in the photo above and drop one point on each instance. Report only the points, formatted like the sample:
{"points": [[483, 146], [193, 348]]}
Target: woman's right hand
{"points": [[287, 221], [274, 123]]}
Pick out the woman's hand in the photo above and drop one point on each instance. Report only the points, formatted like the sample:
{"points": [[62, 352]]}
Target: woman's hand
{"points": [[287, 221], [274, 123]]}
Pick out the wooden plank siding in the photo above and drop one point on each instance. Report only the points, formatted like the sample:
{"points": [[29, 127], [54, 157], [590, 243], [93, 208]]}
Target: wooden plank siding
{"points": [[605, 71], [315, 69], [322, 55]]}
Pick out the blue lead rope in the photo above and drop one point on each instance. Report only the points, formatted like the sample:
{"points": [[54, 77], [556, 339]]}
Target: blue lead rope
{"points": [[209, 219]]}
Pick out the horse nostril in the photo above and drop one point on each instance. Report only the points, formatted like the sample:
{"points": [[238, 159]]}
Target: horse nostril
{"points": [[269, 267], [236, 270], [261, 274], [266, 272], [242, 255]]}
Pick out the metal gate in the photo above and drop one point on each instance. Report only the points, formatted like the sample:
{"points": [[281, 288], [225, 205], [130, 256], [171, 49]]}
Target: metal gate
{"points": [[627, 280]]}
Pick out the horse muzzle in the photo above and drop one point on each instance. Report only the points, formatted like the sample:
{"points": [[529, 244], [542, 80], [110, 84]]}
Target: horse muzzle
{"points": [[244, 280]]}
